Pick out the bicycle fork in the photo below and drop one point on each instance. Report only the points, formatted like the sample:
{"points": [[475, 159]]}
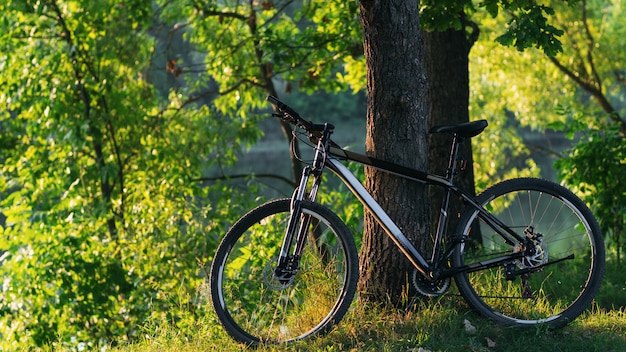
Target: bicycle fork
{"points": [[288, 260]]}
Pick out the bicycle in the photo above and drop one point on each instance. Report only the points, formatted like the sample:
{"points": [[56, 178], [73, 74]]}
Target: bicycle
{"points": [[525, 251]]}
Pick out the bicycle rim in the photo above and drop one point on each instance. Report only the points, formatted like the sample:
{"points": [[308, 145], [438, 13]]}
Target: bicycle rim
{"points": [[254, 306], [563, 275]]}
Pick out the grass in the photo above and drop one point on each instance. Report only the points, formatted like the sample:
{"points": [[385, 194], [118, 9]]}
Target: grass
{"points": [[442, 325]]}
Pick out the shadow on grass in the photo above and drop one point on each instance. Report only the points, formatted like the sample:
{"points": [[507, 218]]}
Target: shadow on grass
{"points": [[448, 325]]}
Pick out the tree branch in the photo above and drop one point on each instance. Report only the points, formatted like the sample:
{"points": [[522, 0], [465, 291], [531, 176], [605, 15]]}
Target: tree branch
{"points": [[74, 53], [596, 93], [590, 47], [289, 182], [213, 13], [574, 77]]}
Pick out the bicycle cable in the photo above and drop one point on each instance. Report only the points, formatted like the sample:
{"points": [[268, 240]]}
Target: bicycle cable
{"points": [[299, 135]]}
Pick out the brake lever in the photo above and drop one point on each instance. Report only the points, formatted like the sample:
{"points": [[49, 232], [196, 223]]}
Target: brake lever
{"points": [[289, 114]]}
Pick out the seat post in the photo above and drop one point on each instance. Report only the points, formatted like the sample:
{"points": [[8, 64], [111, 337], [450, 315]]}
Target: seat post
{"points": [[454, 152], [443, 214]]}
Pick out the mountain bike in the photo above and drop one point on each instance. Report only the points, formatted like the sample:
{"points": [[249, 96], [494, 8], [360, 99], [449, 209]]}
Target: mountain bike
{"points": [[525, 251]]}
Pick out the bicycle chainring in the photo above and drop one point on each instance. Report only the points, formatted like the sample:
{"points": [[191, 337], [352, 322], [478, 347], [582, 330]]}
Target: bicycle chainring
{"points": [[427, 288]]}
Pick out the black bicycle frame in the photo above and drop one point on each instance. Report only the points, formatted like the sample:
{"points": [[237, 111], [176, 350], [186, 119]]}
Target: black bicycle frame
{"points": [[330, 155]]}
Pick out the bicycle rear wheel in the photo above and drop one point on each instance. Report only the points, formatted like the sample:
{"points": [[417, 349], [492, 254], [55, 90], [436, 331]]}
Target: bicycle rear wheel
{"points": [[555, 284], [253, 305]]}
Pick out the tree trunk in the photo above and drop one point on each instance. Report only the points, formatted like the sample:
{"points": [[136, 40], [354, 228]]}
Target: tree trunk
{"points": [[446, 61], [397, 114]]}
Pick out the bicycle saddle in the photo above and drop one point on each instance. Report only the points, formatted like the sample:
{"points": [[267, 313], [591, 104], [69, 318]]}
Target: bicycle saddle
{"points": [[467, 129]]}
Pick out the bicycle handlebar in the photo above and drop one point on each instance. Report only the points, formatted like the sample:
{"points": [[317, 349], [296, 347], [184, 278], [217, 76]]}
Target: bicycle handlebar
{"points": [[290, 115]]}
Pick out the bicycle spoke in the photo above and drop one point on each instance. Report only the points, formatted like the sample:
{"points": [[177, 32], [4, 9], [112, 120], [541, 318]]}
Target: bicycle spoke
{"points": [[562, 255], [255, 302]]}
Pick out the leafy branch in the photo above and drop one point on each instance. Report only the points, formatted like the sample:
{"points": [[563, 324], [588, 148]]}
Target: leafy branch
{"points": [[75, 51], [283, 179], [590, 82]]}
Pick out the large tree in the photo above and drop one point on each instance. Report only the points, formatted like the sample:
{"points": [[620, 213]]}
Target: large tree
{"points": [[447, 65], [451, 29], [397, 121], [396, 129]]}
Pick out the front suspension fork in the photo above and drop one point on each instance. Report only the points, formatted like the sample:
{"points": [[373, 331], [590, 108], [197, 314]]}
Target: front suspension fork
{"points": [[288, 263]]}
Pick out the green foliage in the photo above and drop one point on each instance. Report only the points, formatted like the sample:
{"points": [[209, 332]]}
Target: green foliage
{"points": [[522, 91], [532, 29], [103, 213], [527, 25], [271, 47], [105, 221], [442, 15], [596, 169]]}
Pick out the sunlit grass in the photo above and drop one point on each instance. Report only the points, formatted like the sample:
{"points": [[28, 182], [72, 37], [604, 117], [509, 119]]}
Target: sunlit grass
{"points": [[504, 296], [439, 325], [434, 325]]}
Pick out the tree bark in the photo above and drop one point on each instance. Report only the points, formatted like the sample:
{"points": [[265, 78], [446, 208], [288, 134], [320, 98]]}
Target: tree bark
{"points": [[397, 112], [447, 65]]}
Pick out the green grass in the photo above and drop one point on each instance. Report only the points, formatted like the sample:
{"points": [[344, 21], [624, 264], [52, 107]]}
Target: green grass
{"points": [[433, 326], [438, 325]]}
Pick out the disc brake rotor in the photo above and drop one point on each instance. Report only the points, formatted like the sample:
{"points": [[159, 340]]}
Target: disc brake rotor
{"points": [[272, 280], [539, 257]]}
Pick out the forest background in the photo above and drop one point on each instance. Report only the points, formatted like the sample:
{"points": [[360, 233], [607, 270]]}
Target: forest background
{"points": [[134, 133]]}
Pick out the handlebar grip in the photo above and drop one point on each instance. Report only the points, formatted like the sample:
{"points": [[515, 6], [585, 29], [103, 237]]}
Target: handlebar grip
{"points": [[287, 113], [284, 107], [272, 99]]}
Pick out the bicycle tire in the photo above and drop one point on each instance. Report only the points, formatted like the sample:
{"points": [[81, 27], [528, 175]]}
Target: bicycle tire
{"points": [[554, 292], [251, 307]]}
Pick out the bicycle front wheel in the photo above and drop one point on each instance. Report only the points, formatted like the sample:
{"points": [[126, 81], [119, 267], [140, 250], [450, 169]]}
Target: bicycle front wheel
{"points": [[555, 283], [253, 305]]}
